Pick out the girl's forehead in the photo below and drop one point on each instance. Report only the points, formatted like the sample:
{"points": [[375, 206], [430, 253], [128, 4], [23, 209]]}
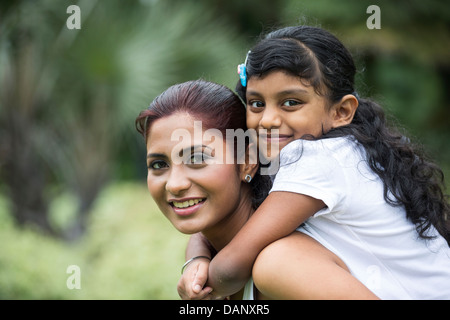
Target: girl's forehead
{"points": [[278, 81]]}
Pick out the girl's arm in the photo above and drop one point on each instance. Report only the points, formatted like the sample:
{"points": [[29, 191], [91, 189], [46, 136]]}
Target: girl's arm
{"points": [[198, 245], [278, 216], [191, 285]]}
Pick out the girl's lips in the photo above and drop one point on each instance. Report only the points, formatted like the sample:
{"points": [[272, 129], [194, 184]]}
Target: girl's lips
{"points": [[280, 138], [276, 138]]}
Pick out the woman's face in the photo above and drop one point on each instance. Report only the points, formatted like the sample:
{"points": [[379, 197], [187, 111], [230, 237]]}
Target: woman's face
{"points": [[188, 177], [279, 102]]}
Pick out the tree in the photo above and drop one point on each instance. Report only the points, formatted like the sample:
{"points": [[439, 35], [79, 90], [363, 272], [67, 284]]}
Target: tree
{"points": [[405, 64], [70, 96]]}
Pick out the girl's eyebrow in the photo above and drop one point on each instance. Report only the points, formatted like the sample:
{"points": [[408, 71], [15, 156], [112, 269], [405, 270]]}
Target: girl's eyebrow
{"points": [[281, 93], [292, 91], [253, 93]]}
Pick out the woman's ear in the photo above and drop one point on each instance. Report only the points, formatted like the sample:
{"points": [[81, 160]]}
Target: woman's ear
{"points": [[344, 111], [251, 164]]}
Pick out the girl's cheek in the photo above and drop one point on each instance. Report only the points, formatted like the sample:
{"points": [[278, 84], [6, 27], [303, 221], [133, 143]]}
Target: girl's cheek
{"points": [[252, 121]]}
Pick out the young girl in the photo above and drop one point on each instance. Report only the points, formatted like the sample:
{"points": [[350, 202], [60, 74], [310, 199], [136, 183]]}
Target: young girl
{"points": [[357, 186], [207, 182]]}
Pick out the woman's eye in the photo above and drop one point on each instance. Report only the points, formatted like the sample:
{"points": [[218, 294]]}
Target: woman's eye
{"points": [[157, 165], [291, 103], [256, 104], [197, 158]]}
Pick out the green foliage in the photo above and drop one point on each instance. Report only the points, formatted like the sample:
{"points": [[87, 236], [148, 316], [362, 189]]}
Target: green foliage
{"points": [[70, 97], [68, 100], [404, 65], [130, 252]]}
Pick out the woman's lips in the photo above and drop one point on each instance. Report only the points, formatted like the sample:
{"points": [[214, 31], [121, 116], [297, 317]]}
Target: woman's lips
{"points": [[186, 207]]}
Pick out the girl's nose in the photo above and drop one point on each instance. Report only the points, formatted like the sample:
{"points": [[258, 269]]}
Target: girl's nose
{"points": [[178, 182], [270, 119]]}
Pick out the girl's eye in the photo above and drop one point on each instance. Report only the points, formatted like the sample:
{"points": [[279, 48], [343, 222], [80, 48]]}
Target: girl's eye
{"points": [[157, 165], [256, 104], [291, 103]]}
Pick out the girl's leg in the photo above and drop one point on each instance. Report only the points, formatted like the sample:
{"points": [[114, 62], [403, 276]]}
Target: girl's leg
{"points": [[299, 267]]}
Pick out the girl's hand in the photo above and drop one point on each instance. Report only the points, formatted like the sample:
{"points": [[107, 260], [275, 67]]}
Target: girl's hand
{"points": [[193, 280]]}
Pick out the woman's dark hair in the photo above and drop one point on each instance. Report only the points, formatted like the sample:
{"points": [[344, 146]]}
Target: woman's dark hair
{"points": [[215, 105], [320, 60]]}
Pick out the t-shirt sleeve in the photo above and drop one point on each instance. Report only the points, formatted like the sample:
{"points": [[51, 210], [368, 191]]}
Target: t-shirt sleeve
{"points": [[309, 168]]}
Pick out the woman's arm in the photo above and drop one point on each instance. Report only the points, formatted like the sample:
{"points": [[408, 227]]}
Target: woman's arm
{"points": [[191, 285], [278, 216]]}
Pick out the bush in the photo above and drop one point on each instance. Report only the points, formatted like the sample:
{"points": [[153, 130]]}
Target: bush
{"points": [[130, 252]]}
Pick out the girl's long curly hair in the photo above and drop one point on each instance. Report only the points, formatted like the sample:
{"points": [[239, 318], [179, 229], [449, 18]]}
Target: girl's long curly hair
{"points": [[319, 58]]}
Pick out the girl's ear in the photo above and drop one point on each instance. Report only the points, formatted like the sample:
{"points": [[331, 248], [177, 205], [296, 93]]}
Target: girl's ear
{"points": [[344, 111], [250, 166]]}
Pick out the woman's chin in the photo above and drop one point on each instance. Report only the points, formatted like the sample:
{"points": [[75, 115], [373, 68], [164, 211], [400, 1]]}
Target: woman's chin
{"points": [[187, 228]]}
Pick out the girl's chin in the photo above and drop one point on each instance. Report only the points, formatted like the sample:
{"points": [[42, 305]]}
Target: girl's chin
{"points": [[271, 152], [270, 155]]}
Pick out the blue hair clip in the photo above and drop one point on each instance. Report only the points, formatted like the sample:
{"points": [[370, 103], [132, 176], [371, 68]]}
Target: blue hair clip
{"points": [[242, 71]]}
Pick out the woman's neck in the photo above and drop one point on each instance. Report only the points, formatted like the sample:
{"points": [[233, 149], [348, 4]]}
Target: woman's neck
{"points": [[221, 234]]}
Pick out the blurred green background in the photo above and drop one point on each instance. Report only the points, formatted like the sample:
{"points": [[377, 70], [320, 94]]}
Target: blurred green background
{"points": [[72, 166]]}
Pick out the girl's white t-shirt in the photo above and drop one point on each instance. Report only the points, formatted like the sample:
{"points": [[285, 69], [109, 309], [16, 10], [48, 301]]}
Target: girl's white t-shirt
{"points": [[374, 239]]}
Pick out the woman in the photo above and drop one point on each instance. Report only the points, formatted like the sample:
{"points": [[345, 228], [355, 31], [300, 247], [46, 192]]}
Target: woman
{"points": [[204, 184]]}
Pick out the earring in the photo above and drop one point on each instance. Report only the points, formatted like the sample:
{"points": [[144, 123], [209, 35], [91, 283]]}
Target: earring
{"points": [[248, 178]]}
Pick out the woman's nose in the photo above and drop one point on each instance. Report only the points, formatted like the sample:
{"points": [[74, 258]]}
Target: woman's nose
{"points": [[177, 182]]}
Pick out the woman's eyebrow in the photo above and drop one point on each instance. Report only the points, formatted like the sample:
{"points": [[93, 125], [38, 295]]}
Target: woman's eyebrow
{"points": [[193, 148], [183, 151], [156, 155]]}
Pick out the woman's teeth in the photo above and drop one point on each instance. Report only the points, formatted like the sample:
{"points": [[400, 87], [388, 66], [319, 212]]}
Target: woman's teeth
{"points": [[187, 203]]}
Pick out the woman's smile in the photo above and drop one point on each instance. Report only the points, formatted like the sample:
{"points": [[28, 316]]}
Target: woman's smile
{"points": [[187, 207], [194, 194]]}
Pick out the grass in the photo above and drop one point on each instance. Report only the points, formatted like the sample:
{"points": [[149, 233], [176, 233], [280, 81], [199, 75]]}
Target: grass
{"points": [[131, 251]]}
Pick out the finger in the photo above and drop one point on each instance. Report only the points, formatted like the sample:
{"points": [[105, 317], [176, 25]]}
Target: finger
{"points": [[203, 295], [200, 278]]}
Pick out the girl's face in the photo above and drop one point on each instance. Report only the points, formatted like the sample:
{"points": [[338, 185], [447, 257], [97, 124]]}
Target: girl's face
{"points": [[193, 188], [281, 101]]}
